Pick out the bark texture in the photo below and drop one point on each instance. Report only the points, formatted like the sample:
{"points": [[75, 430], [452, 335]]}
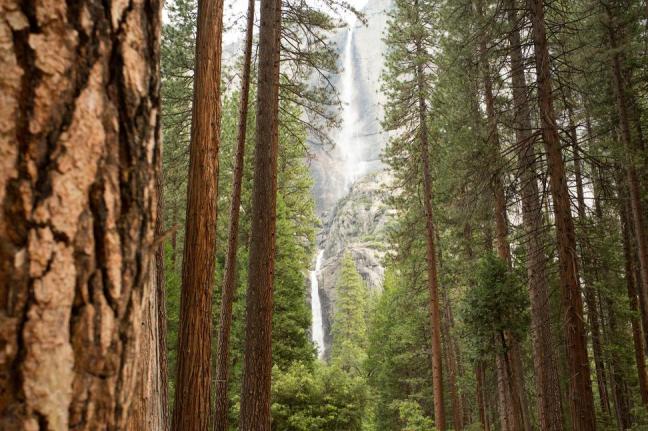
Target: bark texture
{"points": [[432, 276], [257, 368], [79, 122], [193, 382], [580, 386], [229, 277]]}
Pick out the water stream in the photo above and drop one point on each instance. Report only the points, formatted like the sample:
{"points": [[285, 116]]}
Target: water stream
{"points": [[316, 306]]}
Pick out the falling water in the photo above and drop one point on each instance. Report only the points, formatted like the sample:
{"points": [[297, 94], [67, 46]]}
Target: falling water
{"points": [[353, 166], [316, 306]]}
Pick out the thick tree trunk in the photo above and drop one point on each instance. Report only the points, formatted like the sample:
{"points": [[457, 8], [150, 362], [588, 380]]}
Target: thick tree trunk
{"points": [[255, 393], [580, 386], [229, 277], [193, 386], [79, 92]]}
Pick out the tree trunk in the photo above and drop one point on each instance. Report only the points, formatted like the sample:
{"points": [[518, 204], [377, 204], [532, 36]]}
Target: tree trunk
{"points": [[161, 312], [632, 179], [481, 402], [637, 337], [514, 399], [79, 138], [452, 364], [229, 277], [431, 262], [580, 387], [192, 398], [255, 393], [589, 269]]}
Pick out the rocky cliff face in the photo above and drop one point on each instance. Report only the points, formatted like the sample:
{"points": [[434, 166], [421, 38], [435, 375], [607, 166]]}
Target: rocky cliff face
{"points": [[357, 225]]}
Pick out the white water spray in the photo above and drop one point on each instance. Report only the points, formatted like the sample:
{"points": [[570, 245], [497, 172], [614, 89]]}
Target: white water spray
{"points": [[316, 306], [353, 166]]}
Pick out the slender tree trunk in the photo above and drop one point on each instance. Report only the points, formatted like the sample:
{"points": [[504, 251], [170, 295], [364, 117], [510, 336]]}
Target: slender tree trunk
{"points": [[432, 276], [451, 359], [580, 386], [78, 144], [229, 277], [637, 336], [257, 368], [514, 399], [632, 179], [588, 267], [161, 302], [481, 402], [192, 398]]}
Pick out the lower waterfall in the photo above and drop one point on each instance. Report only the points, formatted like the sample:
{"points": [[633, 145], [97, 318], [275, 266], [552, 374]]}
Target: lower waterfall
{"points": [[317, 329]]}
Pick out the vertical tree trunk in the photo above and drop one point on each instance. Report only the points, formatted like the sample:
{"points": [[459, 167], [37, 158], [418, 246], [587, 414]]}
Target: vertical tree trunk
{"points": [[229, 277], [432, 276], [481, 402], [192, 398], [161, 312], [79, 137], [580, 387], [452, 364], [632, 178], [513, 386], [255, 393], [637, 337], [588, 268]]}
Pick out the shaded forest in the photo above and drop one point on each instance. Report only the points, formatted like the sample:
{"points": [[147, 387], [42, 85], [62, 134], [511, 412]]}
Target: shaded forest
{"points": [[199, 231]]}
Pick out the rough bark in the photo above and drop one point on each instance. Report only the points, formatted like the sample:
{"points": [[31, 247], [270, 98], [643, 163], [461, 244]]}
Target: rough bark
{"points": [[255, 393], [79, 121], [580, 387], [161, 322], [193, 378], [229, 277]]}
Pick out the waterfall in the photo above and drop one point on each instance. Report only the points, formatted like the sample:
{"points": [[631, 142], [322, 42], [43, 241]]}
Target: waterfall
{"points": [[316, 306]]}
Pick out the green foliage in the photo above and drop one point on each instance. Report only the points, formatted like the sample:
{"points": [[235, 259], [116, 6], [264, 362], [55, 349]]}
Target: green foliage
{"points": [[324, 398], [412, 418], [495, 306], [349, 329]]}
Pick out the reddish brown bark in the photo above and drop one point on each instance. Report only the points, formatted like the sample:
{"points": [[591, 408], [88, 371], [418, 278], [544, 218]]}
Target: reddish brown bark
{"points": [[430, 235], [580, 387], [161, 302], [255, 393], [193, 382], [229, 277], [481, 402], [79, 135]]}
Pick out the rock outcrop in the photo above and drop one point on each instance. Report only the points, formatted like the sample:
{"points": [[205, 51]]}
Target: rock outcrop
{"points": [[357, 225]]}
